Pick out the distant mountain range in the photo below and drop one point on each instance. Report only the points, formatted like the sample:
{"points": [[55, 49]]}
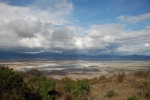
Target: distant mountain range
{"points": [[5, 55]]}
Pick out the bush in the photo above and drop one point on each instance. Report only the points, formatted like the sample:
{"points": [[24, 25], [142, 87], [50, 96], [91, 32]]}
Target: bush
{"points": [[142, 74], [42, 86], [82, 85], [9, 79], [67, 84], [111, 93], [46, 88], [121, 77], [12, 86], [133, 98], [33, 72], [144, 87], [79, 89]]}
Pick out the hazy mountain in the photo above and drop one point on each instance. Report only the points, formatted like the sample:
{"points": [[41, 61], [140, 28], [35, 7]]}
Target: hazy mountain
{"points": [[6, 55]]}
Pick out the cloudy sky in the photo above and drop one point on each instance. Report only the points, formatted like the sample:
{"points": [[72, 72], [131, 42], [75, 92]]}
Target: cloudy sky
{"points": [[93, 27]]}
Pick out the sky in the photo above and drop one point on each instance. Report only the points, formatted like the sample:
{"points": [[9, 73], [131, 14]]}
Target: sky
{"points": [[93, 27]]}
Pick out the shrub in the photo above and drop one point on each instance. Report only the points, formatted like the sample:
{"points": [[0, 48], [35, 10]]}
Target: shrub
{"points": [[133, 98], [94, 80], [142, 74], [83, 85], [9, 79], [144, 87], [33, 84], [46, 88], [33, 72], [81, 89], [111, 93], [121, 77], [12, 86], [43, 86], [147, 95], [11, 95], [67, 84], [103, 78]]}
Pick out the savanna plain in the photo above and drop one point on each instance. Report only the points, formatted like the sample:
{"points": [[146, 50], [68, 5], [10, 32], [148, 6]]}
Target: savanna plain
{"points": [[75, 80]]}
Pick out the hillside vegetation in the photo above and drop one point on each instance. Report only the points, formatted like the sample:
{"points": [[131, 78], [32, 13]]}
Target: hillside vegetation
{"points": [[33, 85]]}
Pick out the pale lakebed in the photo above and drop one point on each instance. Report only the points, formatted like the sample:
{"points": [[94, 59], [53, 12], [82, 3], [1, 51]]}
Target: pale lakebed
{"points": [[79, 68]]}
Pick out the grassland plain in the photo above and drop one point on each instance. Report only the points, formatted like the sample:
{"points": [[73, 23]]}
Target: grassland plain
{"points": [[76, 69]]}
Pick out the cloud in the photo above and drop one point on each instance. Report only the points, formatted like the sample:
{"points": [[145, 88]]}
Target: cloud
{"points": [[83, 43], [135, 19], [136, 35], [54, 11], [114, 38], [147, 45], [25, 28], [64, 6], [31, 42], [134, 48], [105, 30], [55, 5], [52, 30], [62, 39], [54, 15], [21, 33], [62, 35]]}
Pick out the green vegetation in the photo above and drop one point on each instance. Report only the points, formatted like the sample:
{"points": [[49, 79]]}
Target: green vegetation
{"points": [[33, 85], [42, 86], [67, 84], [46, 88], [76, 89], [111, 93], [133, 98], [9, 79], [12, 86]]}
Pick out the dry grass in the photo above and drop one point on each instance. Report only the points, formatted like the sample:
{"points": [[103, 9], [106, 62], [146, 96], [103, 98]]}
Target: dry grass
{"points": [[116, 87], [123, 85]]}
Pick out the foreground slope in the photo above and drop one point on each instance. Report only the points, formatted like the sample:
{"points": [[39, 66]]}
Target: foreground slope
{"points": [[32, 84]]}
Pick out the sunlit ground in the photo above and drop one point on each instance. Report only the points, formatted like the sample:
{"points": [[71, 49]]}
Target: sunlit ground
{"points": [[80, 69]]}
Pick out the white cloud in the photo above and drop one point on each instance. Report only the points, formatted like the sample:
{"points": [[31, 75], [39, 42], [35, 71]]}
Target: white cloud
{"points": [[31, 42], [62, 39], [115, 39], [31, 26], [147, 45], [139, 34], [128, 49], [103, 30], [51, 30], [84, 42], [135, 19], [134, 48], [25, 28], [55, 16]]}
